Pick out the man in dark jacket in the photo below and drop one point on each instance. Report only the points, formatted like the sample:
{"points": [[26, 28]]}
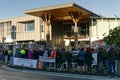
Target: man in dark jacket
{"points": [[88, 60], [112, 54], [35, 54]]}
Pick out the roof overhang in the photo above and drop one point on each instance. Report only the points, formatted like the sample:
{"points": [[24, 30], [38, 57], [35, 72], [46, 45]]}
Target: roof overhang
{"points": [[61, 12]]}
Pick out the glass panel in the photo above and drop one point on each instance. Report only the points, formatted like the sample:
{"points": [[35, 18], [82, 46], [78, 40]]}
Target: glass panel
{"points": [[29, 26], [83, 29], [9, 27]]}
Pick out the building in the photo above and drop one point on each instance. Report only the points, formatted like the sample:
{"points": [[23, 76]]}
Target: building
{"points": [[28, 28], [69, 23]]}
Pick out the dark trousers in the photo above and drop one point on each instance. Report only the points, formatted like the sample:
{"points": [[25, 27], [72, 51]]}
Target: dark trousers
{"points": [[89, 68], [69, 63], [111, 67]]}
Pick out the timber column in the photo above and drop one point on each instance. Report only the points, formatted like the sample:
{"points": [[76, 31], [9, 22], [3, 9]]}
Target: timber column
{"points": [[46, 18], [75, 17]]}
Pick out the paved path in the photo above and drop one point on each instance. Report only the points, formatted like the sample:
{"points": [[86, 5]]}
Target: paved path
{"points": [[86, 77]]}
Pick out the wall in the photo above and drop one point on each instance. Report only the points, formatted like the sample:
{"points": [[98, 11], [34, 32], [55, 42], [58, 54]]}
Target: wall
{"points": [[101, 29]]}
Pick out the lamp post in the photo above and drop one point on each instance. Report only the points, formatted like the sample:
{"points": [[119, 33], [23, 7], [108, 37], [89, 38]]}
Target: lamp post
{"points": [[13, 35]]}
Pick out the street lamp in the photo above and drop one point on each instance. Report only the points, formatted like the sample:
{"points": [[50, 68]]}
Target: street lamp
{"points": [[13, 35]]}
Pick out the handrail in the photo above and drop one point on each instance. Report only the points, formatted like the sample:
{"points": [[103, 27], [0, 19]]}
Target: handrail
{"points": [[83, 32]]}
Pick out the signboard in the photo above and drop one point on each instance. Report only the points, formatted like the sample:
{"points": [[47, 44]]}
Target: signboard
{"points": [[67, 42], [44, 59], [13, 35], [94, 55], [25, 62], [13, 28]]}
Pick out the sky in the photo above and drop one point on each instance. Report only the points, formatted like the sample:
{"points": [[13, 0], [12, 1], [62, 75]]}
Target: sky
{"points": [[14, 8]]}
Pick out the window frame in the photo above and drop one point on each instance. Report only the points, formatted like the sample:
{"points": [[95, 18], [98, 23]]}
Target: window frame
{"points": [[28, 24]]}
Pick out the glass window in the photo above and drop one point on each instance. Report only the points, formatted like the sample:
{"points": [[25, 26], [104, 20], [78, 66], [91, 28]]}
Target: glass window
{"points": [[29, 26], [2, 29]]}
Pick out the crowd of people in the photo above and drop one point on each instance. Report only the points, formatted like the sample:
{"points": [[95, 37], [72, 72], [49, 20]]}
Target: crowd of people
{"points": [[105, 57]]}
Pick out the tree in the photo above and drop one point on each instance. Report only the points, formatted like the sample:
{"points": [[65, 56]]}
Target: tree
{"points": [[114, 37]]}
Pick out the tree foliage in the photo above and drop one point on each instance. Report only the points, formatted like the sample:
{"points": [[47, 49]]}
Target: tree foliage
{"points": [[114, 37]]}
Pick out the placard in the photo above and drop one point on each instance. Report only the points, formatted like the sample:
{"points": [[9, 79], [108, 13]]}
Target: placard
{"points": [[25, 62]]}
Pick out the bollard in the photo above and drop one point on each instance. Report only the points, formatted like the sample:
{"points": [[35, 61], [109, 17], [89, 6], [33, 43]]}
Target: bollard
{"points": [[40, 65]]}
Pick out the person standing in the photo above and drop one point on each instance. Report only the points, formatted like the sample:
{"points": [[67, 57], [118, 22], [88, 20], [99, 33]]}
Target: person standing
{"points": [[35, 54], [6, 56], [81, 60], [30, 54], [88, 60], [112, 55], [45, 55], [69, 59], [58, 59], [100, 59], [9, 51], [23, 53]]}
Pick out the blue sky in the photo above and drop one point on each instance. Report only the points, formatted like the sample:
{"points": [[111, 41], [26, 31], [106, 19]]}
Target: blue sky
{"points": [[13, 8]]}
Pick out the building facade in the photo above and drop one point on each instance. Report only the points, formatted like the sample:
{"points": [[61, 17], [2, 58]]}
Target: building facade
{"points": [[57, 25], [28, 28]]}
